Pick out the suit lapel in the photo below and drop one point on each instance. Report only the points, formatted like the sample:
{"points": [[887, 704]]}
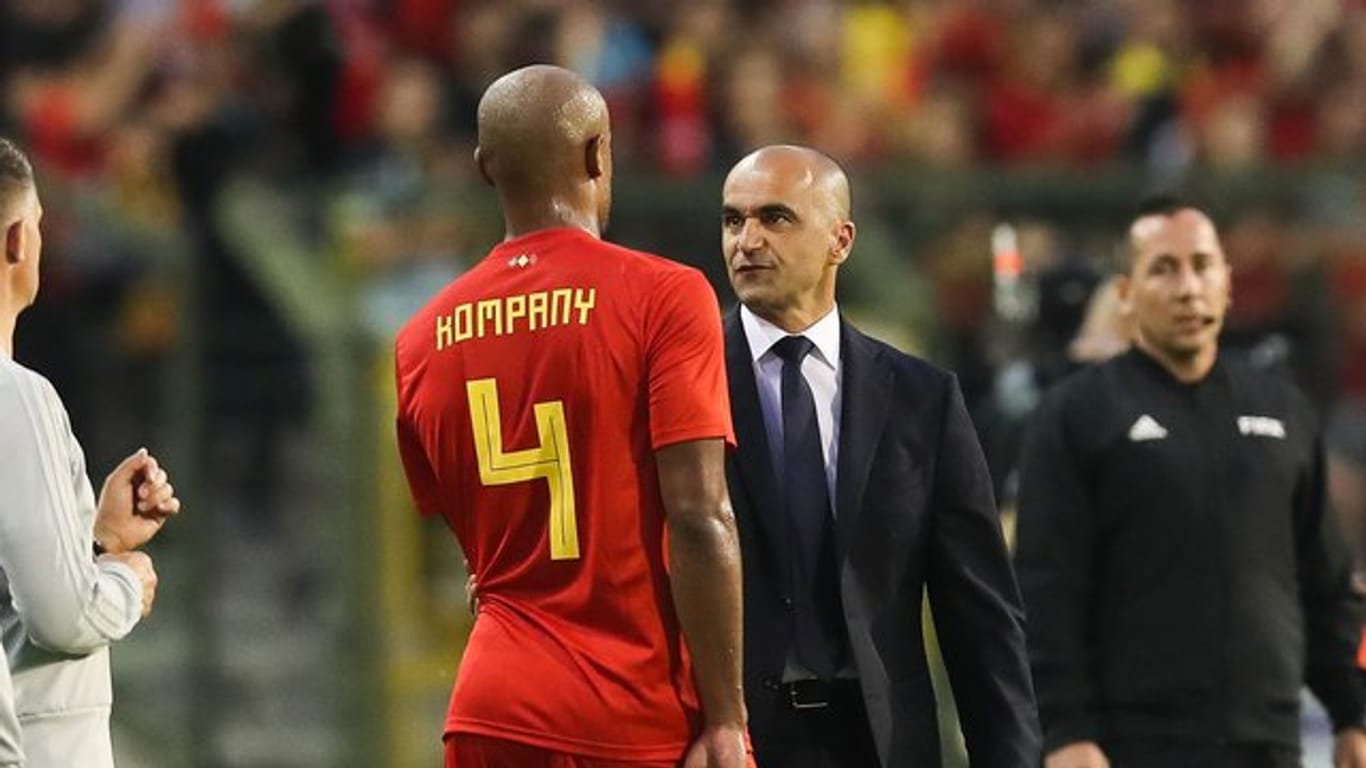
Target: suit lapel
{"points": [[866, 392], [753, 457]]}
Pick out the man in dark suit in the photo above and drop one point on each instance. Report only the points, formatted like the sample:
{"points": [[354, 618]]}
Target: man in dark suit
{"points": [[858, 484]]}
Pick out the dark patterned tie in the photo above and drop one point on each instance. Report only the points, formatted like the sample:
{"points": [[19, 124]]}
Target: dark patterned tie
{"points": [[819, 635]]}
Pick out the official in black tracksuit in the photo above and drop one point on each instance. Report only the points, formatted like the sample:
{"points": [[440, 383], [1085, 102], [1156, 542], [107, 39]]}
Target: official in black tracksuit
{"points": [[1182, 572]]}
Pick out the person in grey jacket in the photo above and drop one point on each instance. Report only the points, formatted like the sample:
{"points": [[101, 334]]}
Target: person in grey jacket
{"points": [[71, 581]]}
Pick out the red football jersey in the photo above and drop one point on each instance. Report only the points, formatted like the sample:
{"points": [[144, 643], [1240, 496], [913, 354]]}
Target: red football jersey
{"points": [[533, 392]]}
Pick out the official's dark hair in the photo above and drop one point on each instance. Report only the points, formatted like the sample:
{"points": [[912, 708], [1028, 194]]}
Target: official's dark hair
{"points": [[16, 173], [1162, 204], [1158, 204]]}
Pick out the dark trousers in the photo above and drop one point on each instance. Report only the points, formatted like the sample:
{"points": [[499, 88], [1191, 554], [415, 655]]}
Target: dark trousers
{"points": [[1169, 753], [814, 725]]}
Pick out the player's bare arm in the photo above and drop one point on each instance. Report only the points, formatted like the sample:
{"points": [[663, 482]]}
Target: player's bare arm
{"points": [[704, 569]]}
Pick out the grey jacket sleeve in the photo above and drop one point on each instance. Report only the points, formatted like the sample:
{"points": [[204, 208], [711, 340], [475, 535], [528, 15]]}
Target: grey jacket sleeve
{"points": [[67, 601], [11, 743]]}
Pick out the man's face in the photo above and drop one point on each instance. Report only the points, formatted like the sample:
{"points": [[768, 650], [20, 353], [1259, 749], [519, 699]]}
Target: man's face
{"points": [[780, 237], [1177, 289]]}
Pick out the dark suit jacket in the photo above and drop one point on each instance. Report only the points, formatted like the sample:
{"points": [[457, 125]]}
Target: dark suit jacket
{"points": [[914, 510]]}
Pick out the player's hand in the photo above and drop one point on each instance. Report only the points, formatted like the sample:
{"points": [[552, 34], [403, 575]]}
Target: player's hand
{"points": [[135, 502], [1081, 754], [471, 591], [472, 595], [719, 746], [1349, 748], [142, 566]]}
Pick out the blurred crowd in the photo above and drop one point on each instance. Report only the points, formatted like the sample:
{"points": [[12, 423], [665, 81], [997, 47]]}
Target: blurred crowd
{"points": [[99, 85]]}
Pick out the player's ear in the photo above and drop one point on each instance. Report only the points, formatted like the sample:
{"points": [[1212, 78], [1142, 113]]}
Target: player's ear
{"points": [[14, 242], [480, 161], [595, 155]]}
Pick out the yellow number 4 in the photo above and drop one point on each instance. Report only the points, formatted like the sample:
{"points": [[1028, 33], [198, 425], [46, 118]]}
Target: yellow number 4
{"points": [[549, 460]]}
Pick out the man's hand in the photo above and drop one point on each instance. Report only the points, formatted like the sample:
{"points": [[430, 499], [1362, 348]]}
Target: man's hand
{"points": [[135, 502], [719, 746], [1081, 754], [142, 566], [1349, 748]]}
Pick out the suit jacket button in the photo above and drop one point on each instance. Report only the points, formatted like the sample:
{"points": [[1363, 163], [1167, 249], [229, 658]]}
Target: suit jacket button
{"points": [[787, 602]]}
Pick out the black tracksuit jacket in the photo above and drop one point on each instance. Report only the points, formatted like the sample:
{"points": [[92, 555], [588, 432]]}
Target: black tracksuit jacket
{"points": [[1182, 571]]}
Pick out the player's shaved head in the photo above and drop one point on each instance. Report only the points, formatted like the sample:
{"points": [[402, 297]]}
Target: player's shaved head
{"points": [[534, 125], [803, 167]]}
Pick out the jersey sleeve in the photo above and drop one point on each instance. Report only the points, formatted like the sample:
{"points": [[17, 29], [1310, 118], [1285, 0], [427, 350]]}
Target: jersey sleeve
{"points": [[416, 465], [686, 363], [67, 601]]}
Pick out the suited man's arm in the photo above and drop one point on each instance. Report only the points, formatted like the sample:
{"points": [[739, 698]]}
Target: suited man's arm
{"points": [[1053, 559], [1333, 609], [977, 608]]}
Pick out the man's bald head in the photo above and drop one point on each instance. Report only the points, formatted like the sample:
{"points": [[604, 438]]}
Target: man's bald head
{"points": [[535, 126], [785, 231], [805, 168]]}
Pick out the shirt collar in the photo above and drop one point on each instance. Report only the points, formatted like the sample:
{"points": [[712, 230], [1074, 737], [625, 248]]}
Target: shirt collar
{"points": [[824, 333]]}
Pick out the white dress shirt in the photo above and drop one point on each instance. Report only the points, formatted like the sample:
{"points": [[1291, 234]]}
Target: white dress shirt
{"points": [[821, 369]]}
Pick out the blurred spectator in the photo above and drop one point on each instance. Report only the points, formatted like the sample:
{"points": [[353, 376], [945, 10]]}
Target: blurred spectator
{"points": [[1277, 318], [753, 105], [1025, 106], [396, 231], [941, 134], [685, 139], [1104, 331]]}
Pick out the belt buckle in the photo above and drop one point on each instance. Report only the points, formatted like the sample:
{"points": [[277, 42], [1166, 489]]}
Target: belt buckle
{"points": [[797, 701]]}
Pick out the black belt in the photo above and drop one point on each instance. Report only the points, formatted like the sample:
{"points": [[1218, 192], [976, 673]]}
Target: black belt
{"points": [[819, 694]]}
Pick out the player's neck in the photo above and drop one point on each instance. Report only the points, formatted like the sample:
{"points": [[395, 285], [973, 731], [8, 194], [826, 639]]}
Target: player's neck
{"points": [[522, 217], [8, 315], [1187, 369]]}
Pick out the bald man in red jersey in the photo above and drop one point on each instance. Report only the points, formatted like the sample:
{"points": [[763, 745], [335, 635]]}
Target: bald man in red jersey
{"points": [[564, 407]]}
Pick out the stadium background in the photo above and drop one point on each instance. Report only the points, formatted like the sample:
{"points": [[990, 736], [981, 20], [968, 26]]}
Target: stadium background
{"points": [[246, 197]]}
